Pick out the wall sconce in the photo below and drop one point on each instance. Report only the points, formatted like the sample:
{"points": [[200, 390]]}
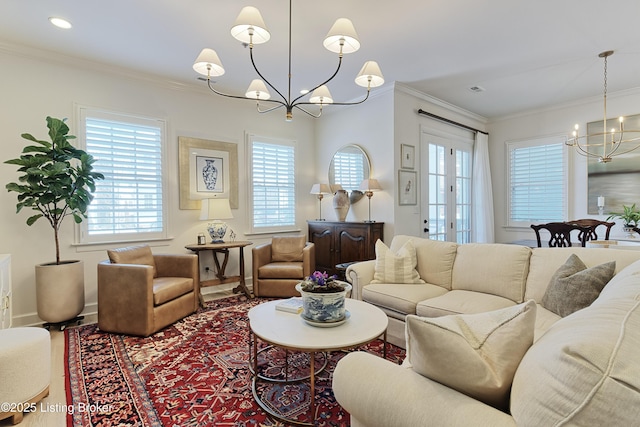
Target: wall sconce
{"points": [[216, 210], [320, 190], [369, 186]]}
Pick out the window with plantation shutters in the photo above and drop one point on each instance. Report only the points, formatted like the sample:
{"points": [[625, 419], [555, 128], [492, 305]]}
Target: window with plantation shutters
{"points": [[537, 171], [273, 196], [129, 204]]}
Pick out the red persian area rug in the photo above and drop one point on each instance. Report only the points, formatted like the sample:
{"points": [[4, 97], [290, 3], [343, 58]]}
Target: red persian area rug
{"points": [[193, 373]]}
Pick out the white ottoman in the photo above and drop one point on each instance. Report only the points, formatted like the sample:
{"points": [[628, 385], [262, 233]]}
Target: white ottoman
{"points": [[25, 370]]}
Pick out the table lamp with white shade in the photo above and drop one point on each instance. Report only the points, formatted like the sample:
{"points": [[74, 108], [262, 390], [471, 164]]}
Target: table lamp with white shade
{"points": [[368, 186], [320, 190], [216, 210]]}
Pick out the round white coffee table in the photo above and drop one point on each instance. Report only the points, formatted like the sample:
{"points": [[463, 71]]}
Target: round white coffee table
{"points": [[289, 331]]}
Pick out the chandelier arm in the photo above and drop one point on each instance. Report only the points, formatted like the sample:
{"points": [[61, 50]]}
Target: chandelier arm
{"points": [[285, 101], [294, 102], [306, 111], [630, 149], [217, 92], [280, 105], [336, 103], [583, 151]]}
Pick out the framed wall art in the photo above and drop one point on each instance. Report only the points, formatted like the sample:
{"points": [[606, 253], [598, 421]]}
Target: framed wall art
{"points": [[408, 155], [408, 187], [208, 169]]}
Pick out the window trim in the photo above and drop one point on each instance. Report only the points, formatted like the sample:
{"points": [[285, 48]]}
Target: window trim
{"points": [[532, 142], [250, 139], [81, 237]]}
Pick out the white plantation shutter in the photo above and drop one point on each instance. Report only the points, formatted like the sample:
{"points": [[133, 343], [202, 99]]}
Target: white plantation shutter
{"points": [[348, 169], [537, 181], [129, 203], [272, 184]]}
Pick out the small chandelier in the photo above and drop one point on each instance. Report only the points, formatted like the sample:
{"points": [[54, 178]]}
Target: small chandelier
{"points": [[606, 144], [249, 28]]}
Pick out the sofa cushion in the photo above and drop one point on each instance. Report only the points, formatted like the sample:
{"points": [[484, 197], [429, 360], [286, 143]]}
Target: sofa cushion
{"points": [[584, 370], [476, 354], [461, 302], [287, 248], [140, 255], [574, 286], [544, 320], [435, 258], [399, 267], [398, 297], [168, 288], [545, 261], [281, 270], [492, 268]]}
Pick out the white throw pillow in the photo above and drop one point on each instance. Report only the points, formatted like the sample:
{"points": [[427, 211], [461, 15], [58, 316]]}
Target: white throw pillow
{"points": [[476, 354], [397, 267]]}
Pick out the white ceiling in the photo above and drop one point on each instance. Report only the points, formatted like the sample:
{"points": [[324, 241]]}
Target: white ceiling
{"points": [[525, 54]]}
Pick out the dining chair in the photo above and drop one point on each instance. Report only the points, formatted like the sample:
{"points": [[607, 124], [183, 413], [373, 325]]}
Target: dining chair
{"points": [[560, 234], [593, 224]]}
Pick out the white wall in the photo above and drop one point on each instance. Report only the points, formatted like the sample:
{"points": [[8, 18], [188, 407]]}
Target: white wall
{"points": [[369, 125], [35, 84], [552, 121], [407, 128]]}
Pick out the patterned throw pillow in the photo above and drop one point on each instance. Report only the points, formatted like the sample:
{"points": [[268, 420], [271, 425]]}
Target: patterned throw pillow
{"points": [[396, 268], [476, 354], [574, 286]]}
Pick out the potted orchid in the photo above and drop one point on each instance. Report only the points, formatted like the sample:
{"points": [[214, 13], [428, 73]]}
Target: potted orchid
{"points": [[323, 299]]}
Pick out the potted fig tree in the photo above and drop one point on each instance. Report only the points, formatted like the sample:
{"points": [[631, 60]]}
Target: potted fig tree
{"points": [[56, 181]]}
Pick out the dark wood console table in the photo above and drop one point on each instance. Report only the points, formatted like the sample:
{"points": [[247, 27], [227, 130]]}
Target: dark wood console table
{"points": [[223, 248], [342, 242]]}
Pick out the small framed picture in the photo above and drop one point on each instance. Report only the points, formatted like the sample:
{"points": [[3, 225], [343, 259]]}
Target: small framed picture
{"points": [[408, 154], [408, 187]]}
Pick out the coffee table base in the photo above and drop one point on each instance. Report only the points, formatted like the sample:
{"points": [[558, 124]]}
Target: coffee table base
{"points": [[313, 372]]}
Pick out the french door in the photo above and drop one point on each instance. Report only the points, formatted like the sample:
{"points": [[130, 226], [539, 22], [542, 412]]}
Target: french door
{"points": [[446, 199]]}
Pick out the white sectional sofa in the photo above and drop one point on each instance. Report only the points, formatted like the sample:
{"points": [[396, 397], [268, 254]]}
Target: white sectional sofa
{"points": [[471, 278], [582, 369]]}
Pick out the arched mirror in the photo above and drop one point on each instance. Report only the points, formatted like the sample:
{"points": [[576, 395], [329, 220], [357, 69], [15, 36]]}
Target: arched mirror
{"points": [[349, 166]]}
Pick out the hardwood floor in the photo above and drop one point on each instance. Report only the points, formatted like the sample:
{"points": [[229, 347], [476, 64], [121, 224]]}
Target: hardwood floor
{"points": [[50, 411]]}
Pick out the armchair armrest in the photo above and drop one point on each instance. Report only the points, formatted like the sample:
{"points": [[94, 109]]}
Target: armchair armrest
{"points": [[360, 275], [309, 259], [261, 255], [125, 297]]}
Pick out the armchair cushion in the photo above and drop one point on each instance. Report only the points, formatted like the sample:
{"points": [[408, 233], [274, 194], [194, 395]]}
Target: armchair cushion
{"points": [[287, 248], [476, 354], [133, 255], [281, 270], [167, 288]]}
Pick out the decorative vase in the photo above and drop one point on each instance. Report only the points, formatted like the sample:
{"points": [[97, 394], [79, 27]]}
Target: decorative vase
{"points": [[324, 307], [60, 290], [210, 175], [341, 204]]}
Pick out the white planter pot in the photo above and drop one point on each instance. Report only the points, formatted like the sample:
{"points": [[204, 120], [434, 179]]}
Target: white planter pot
{"points": [[323, 307], [60, 290]]}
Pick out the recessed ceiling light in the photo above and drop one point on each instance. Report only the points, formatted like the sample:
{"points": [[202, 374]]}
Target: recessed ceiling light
{"points": [[304, 91], [477, 89], [60, 22]]}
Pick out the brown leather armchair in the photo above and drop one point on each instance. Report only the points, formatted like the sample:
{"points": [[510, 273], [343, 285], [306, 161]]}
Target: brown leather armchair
{"points": [[280, 265], [140, 293]]}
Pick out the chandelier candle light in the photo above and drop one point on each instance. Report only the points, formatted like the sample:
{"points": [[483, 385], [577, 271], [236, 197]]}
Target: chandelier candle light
{"points": [[611, 140], [216, 210], [250, 29]]}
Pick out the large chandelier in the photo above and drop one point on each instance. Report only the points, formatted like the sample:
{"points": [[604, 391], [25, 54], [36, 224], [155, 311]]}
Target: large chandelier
{"points": [[608, 143], [249, 28]]}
